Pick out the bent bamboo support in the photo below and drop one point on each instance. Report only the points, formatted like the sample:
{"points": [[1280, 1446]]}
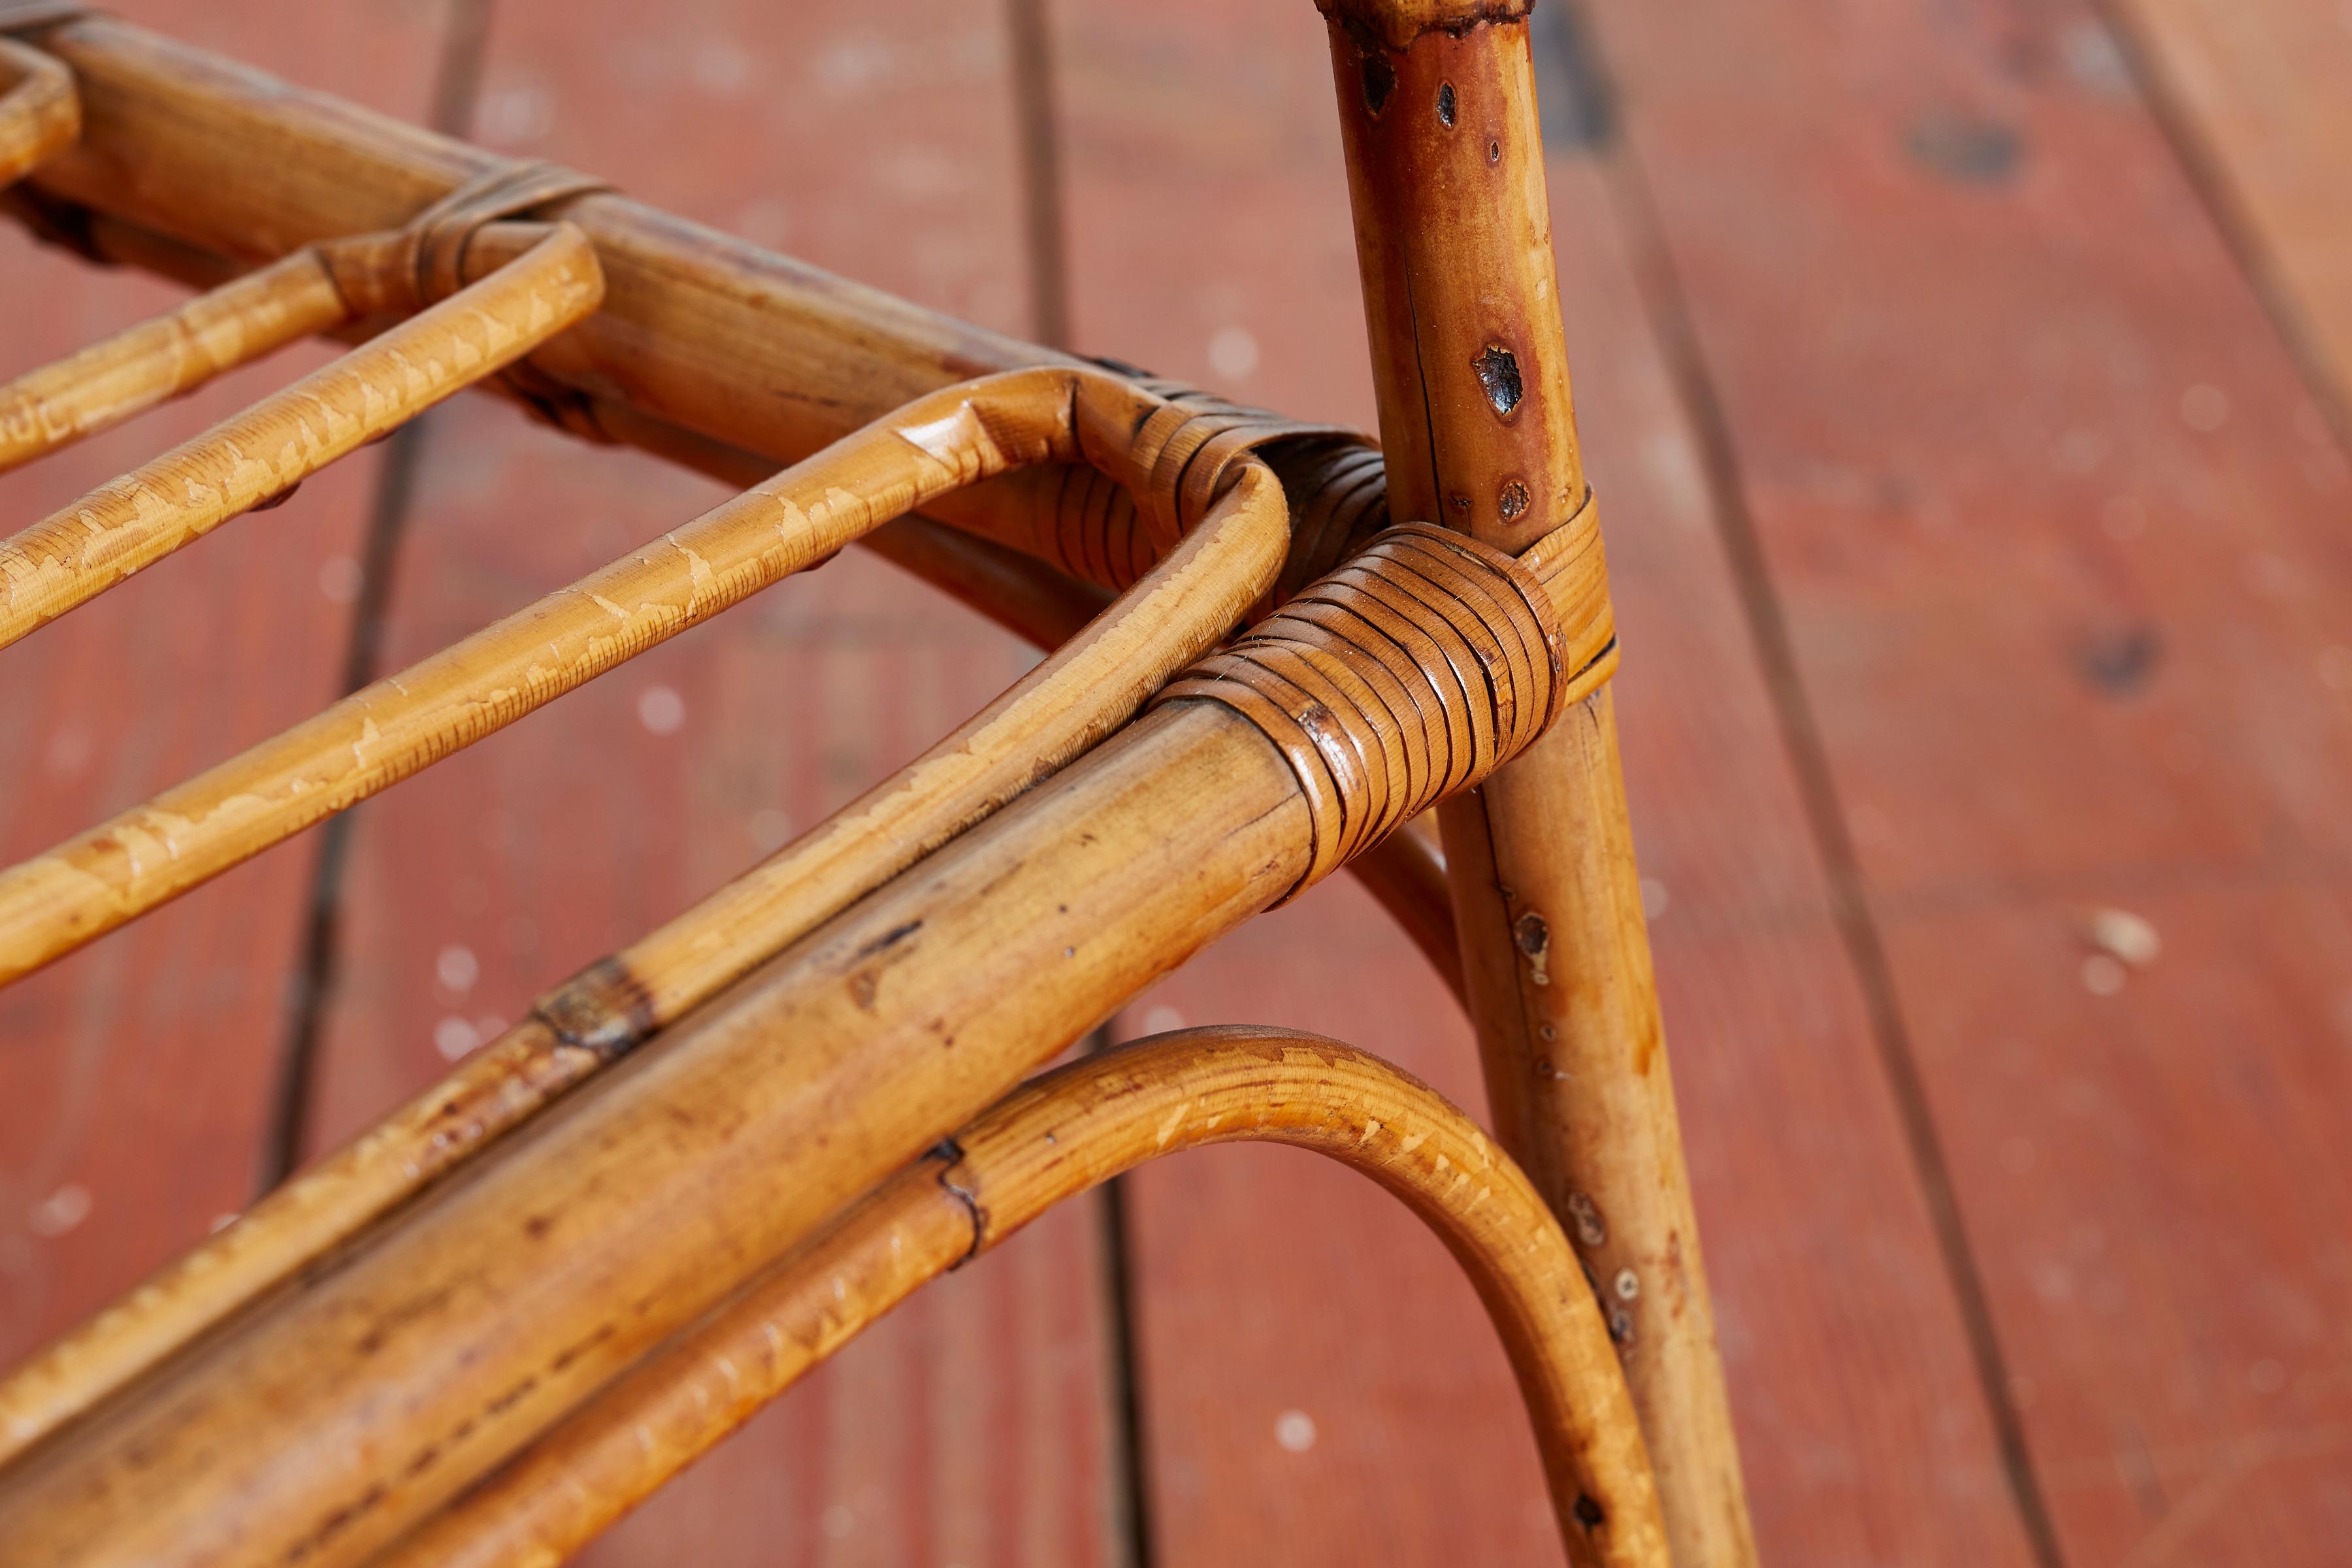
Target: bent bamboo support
{"points": [[1091, 684], [154, 362], [1053, 1138], [262, 454], [142, 857], [40, 114], [505, 1295]]}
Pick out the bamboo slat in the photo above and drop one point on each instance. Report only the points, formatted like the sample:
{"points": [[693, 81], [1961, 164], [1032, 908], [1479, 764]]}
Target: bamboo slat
{"points": [[93, 883], [640, 1202], [260, 456], [39, 113], [1058, 1136], [1095, 681], [1445, 174], [108, 383]]}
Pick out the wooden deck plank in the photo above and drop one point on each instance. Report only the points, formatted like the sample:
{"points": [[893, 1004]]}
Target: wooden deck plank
{"points": [[972, 1427], [1866, 1433], [2064, 571], [2257, 91], [136, 1077]]}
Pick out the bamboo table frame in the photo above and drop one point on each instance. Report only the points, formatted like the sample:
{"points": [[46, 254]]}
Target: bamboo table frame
{"points": [[1258, 678]]}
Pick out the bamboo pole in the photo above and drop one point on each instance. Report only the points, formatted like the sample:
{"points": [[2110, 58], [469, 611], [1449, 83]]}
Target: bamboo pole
{"points": [[108, 383], [1053, 1138], [39, 113], [564, 1255], [1445, 174], [260, 456]]}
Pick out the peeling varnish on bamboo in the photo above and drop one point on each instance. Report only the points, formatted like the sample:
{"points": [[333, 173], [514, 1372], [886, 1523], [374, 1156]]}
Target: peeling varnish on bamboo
{"points": [[262, 453]]}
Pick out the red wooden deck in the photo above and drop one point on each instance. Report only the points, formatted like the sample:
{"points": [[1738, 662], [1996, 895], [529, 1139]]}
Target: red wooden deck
{"points": [[1969, 386]]}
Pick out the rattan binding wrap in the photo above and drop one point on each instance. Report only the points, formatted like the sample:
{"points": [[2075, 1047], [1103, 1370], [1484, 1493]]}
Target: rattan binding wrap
{"points": [[1105, 532], [1408, 675], [435, 241]]}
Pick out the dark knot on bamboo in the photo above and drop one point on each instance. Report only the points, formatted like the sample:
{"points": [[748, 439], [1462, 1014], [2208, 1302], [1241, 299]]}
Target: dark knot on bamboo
{"points": [[1411, 673]]}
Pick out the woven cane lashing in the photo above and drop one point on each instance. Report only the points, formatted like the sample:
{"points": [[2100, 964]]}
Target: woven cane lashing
{"points": [[1109, 526], [1412, 672]]}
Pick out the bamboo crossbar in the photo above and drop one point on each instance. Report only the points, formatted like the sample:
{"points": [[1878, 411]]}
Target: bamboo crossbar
{"points": [[260, 456], [1059, 1135], [47, 409], [568, 1210]]}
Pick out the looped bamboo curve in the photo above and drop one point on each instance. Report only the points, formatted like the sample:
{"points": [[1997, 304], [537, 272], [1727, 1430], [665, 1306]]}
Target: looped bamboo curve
{"points": [[40, 112], [1057, 1136], [100, 386], [1095, 681]]}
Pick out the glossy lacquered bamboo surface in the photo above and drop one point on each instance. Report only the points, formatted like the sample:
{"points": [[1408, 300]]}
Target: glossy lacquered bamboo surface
{"points": [[260, 455], [1056, 1137], [500, 1301], [1093, 682], [52, 407], [1444, 147], [497, 1301]]}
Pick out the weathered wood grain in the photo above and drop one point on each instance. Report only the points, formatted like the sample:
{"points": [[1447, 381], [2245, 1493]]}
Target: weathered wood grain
{"points": [[2062, 566]]}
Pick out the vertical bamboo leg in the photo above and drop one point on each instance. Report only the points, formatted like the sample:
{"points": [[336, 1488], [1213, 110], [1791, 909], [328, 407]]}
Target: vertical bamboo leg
{"points": [[1444, 166]]}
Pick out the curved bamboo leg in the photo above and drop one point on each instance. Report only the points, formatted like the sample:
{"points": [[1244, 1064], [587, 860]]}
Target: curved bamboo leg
{"points": [[1092, 684], [1445, 174], [263, 453], [154, 362], [1058, 1136], [40, 114]]}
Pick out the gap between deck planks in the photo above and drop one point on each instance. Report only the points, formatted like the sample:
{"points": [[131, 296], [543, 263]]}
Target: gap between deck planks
{"points": [[135, 1077], [1271, 1290], [2060, 543], [2254, 94], [974, 1426]]}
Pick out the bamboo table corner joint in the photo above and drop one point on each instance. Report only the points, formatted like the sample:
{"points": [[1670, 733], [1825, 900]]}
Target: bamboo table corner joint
{"points": [[1273, 645]]}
